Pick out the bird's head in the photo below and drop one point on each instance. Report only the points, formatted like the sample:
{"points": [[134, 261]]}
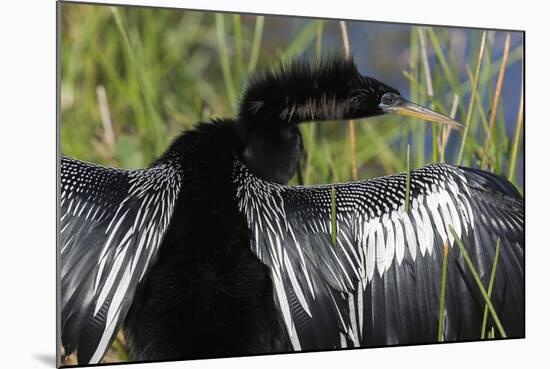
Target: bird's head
{"points": [[275, 102], [330, 89]]}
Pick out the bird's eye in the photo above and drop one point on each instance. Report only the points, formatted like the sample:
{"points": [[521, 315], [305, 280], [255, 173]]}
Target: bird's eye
{"points": [[389, 99]]}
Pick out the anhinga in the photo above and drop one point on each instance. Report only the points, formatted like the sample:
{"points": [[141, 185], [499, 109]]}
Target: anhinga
{"points": [[207, 253]]}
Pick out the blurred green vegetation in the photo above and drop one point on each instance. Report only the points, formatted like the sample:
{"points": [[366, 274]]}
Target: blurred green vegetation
{"points": [[134, 78], [161, 71]]}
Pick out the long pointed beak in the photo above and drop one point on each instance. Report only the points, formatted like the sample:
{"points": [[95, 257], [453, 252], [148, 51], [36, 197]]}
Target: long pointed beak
{"points": [[405, 107]]}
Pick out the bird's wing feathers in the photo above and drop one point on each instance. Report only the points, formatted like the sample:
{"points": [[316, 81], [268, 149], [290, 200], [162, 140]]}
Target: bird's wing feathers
{"points": [[112, 222], [380, 282]]}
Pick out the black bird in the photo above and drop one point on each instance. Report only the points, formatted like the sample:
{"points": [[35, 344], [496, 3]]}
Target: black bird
{"points": [[207, 253]]}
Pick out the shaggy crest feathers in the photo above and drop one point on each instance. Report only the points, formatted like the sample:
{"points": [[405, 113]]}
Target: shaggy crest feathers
{"points": [[304, 90]]}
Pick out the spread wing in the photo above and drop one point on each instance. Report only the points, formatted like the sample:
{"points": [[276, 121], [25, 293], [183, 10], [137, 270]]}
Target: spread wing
{"points": [[378, 281], [112, 222]]}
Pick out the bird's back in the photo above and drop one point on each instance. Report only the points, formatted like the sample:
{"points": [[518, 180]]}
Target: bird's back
{"points": [[208, 295]]}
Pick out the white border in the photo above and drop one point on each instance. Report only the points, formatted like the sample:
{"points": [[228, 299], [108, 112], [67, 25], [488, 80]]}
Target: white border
{"points": [[27, 144]]}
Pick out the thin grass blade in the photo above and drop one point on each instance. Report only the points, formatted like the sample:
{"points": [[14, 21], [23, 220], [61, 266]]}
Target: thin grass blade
{"points": [[515, 145], [465, 135], [256, 43], [334, 230], [440, 337], [224, 60], [494, 106], [490, 288], [478, 282]]}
